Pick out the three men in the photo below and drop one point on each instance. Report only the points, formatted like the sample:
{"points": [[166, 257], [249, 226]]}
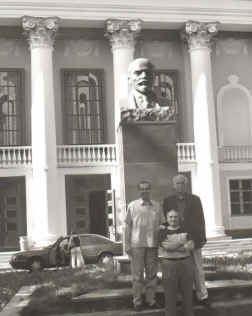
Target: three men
{"points": [[143, 222], [144, 216]]}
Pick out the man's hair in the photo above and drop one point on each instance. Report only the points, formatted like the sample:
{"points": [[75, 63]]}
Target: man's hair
{"points": [[143, 182], [132, 65], [179, 177]]}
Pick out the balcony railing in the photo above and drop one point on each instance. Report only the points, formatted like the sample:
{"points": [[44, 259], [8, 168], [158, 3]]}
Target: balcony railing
{"points": [[18, 156], [82, 155], [186, 152], [241, 153], [86, 155]]}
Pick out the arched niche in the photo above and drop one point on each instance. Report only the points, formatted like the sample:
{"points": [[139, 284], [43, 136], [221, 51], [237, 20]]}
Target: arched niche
{"points": [[234, 111]]}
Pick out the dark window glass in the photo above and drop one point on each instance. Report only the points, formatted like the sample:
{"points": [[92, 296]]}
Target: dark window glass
{"points": [[241, 196], [234, 184], [247, 196], [247, 208], [235, 196], [235, 209], [11, 107], [83, 103]]}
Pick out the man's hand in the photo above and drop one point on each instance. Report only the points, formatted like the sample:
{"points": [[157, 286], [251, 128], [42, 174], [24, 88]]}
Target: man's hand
{"points": [[189, 245]]}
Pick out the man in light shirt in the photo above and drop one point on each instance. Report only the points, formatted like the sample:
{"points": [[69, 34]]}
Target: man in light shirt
{"points": [[144, 216]]}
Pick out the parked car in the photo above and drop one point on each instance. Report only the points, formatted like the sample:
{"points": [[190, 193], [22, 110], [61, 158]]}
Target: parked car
{"points": [[95, 249]]}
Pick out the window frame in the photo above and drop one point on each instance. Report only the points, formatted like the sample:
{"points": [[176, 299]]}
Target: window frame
{"points": [[101, 75], [23, 136], [240, 191]]}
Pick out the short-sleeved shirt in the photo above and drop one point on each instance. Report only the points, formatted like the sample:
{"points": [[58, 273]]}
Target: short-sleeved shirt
{"points": [[143, 219]]}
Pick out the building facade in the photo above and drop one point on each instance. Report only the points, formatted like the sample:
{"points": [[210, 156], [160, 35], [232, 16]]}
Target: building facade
{"points": [[63, 79]]}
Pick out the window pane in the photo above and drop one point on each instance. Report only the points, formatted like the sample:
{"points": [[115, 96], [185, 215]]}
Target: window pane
{"points": [[235, 196], [246, 184], [234, 184], [247, 208], [247, 196], [235, 209]]}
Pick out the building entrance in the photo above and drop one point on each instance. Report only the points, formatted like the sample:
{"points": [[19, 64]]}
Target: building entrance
{"points": [[86, 204], [12, 212]]}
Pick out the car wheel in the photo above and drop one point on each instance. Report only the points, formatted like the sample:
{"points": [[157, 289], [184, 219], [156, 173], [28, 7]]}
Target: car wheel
{"points": [[105, 258], [36, 264]]}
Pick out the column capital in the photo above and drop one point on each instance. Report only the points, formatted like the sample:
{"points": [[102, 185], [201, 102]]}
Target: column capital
{"points": [[199, 35], [40, 31], [122, 33]]}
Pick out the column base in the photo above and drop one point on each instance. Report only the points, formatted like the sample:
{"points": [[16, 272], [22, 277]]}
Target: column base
{"points": [[218, 232]]}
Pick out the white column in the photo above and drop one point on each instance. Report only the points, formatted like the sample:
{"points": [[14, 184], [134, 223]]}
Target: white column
{"points": [[122, 35], [40, 33], [199, 37]]}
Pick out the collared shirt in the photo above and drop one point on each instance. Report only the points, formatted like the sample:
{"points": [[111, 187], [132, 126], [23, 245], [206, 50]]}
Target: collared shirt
{"points": [[143, 220]]}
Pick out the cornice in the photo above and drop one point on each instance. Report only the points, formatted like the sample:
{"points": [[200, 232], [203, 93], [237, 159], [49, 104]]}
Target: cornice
{"points": [[233, 14]]}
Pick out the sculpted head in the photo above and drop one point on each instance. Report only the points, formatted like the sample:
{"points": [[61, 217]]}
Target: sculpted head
{"points": [[140, 74]]}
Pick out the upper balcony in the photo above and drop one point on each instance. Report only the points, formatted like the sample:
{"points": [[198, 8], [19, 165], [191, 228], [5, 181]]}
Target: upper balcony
{"points": [[106, 155]]}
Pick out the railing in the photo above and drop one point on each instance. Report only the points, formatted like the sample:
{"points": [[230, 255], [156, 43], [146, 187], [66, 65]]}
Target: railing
{"points": [[186, 152], [241, 153], [15, 156], [86, 154]]}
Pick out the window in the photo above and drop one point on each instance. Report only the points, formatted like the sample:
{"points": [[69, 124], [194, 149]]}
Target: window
{"points": [[11, 107], [241, 196], [165, 87], [83, 105]]}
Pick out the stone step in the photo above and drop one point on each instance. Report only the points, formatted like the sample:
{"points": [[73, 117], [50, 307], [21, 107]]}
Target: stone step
{"points": [[121, 298], [236, 307]]}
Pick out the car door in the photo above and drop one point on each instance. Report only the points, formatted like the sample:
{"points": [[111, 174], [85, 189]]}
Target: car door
{"points": [[92, 246]]}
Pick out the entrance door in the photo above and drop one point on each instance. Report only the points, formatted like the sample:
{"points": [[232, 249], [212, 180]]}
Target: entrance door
{"points": [[12, 212], [86, 205], [97, 211]]}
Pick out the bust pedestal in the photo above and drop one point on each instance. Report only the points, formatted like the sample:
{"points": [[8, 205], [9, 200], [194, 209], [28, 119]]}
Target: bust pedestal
{"points": [[149, 151]]}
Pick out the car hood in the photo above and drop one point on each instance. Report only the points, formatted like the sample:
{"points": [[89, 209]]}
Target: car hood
{"points": [[32, 252]]}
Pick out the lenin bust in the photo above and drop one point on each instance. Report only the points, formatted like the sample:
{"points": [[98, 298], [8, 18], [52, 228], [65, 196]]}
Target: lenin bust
{"points": [[143, 104]]}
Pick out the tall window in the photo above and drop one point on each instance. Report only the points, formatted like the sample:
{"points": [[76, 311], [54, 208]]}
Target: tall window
{"points": [[165, 87], [11, 107], [83, 103], [241, 196]]}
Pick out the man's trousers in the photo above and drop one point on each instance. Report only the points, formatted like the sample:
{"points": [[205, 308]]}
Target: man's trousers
{"points": [[199, 275], [144, 259], [178, 275]]}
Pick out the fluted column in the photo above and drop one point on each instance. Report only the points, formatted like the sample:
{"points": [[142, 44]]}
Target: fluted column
{"points": [[122, 36], [44, 218], [199, 38]]}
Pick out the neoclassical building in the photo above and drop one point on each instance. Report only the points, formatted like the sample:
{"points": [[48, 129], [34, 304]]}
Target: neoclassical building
{"points": [[63, 80]]}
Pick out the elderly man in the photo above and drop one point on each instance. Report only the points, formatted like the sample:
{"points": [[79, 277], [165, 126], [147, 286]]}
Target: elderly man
{"points": [[192, 219], [143, 219]]}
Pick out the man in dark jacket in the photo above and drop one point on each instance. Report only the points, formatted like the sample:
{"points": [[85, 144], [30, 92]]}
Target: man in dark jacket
{"points": [[192, 219]]}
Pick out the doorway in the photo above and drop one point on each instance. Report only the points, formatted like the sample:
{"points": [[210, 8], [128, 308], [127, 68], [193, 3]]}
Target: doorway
{"points": [[86, 203], [12, 212]]}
